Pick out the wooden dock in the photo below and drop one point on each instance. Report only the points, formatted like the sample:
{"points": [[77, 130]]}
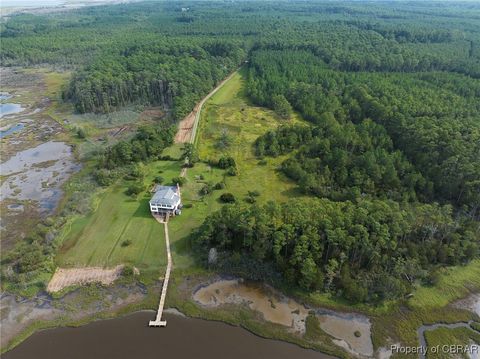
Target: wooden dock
{"points": [[158, 322]]}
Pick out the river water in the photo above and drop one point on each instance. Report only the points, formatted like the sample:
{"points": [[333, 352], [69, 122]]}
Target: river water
{"points": [[130, 337]]}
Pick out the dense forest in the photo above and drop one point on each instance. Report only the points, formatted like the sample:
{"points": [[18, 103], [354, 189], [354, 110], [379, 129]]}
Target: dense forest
{"points": [[389, 150], [368, 250], [378, 123]]}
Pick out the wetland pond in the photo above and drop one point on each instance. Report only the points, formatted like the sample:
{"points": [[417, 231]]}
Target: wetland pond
{"points": [[130, 337], [10, 108], [11, 129], [36, 174], [279, 309]]}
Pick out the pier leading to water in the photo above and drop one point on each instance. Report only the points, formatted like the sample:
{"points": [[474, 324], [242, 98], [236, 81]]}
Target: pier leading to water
{"points": [[158, 322]]}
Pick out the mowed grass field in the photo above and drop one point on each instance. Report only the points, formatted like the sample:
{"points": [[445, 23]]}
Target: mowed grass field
{"points": [[96, 240]]}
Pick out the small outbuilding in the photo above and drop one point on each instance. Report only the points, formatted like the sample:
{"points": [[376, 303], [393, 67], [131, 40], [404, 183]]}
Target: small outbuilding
{"points": [[166, 200]]}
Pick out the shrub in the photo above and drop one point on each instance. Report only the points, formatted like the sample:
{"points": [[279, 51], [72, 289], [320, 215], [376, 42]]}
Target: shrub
{"points": [[262, 162], [254, 193], [224, 141], [190, 154], [206, 189], [250, 199], [81, 133], [135, 189], [187, 205], [104, 177], [227, 198], [432, 278], [231, 171], [158, 179], [226, 162], [138, 170], [219, 185], [126, 243], [127, 271], [180, 180]]}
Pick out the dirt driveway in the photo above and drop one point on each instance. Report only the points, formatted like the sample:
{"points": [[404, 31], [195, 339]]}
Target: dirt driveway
{"points": [[188, 126]]}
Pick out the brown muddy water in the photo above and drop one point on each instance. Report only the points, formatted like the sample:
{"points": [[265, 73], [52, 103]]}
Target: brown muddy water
{"points": [[279, 309], [130, 337]]}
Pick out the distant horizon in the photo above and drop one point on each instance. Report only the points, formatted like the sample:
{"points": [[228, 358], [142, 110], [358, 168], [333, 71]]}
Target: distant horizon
{"points": [[47, 3], [30, 3]]}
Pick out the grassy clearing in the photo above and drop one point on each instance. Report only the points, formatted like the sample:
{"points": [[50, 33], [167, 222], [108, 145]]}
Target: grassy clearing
{"points": [[96, 240], [229, 112], [454, 283]]}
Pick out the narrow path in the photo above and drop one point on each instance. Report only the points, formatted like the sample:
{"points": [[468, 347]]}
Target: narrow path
{"points": [[187, 128], [158, 320]]}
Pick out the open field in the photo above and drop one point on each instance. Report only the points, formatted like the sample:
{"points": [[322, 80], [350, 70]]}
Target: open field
{"points": [[228, 109], [230, 114], [187, 128], [96, 240]]}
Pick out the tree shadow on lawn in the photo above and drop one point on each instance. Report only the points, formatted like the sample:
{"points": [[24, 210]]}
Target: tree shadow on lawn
{"points": [[143, 210], [293, 192]]}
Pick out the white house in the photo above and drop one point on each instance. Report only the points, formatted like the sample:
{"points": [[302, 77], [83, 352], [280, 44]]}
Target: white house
{"points": [[166, 200]]}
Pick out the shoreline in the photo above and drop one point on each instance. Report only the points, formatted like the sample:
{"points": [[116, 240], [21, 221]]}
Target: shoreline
{"points": [[143, 306], [183, 304]]}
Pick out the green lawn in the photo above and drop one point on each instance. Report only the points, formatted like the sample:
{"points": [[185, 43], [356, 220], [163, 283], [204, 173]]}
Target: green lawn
{"points": [[96, 240]]}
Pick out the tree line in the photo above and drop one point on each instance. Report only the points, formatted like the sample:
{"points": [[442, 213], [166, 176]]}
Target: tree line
{"points": [[364, 250]]}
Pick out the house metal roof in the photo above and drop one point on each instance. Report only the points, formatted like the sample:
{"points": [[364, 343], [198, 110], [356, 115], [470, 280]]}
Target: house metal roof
{"points": [[165, 195]]}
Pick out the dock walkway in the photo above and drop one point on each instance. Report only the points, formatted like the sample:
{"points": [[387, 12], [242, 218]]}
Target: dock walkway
{"points": [[158, 322]]}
